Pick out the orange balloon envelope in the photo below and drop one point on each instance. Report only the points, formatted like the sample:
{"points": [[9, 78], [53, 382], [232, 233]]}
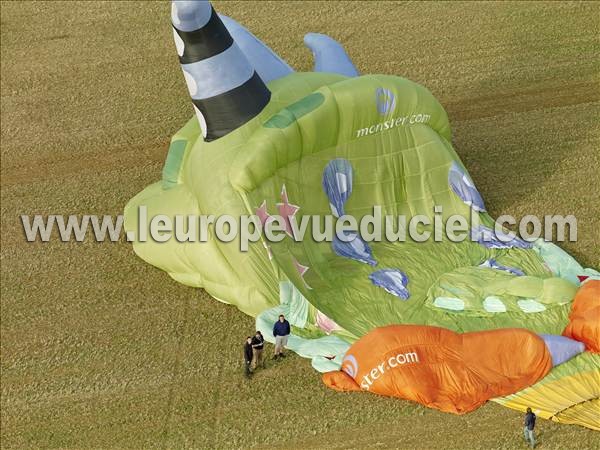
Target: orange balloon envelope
{"points": [[584, 320], [442, 369]]}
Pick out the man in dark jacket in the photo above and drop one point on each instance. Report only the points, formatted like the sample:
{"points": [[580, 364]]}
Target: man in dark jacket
{"points": [[529, 426], [248, 356], [258, 344], [281, 331]]}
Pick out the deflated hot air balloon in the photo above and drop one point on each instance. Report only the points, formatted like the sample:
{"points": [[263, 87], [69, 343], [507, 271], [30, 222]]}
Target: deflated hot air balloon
{"points": [[449, 371], [271, 142]]}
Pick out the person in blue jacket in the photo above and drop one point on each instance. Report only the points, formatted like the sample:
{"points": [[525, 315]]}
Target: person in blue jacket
{"points": [[281, 331], [529, 423]]}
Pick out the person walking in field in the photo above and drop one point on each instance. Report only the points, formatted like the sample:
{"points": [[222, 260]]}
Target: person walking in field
{"points": [[248, 356], [258, 344], [529, 426], [281, 331]]}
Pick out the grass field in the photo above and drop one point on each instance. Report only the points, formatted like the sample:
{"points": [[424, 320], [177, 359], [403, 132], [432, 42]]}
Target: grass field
{"points": [[100, 349]]}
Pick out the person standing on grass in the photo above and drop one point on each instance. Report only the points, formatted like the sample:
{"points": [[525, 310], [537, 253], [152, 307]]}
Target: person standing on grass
{"points": [[529, 426], [281, 331], [248, 356], [258, 344]]}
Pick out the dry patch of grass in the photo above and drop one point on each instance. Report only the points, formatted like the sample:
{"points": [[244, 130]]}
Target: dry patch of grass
{"points": [[101, 350]]}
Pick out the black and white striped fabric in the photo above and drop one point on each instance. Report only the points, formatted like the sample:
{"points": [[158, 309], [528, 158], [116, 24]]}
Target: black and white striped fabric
{"points": [[226, 90]]}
